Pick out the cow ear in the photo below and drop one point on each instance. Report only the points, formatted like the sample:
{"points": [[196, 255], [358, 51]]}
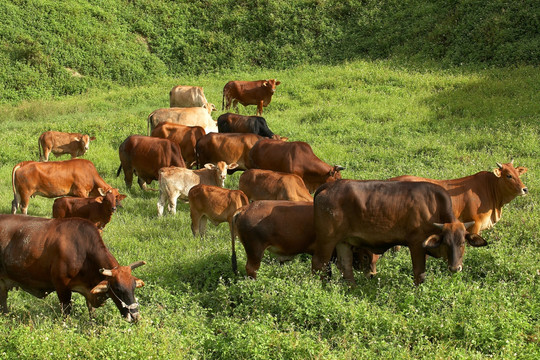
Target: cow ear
{"points": [[139, 283], [432, 242], [76, 139], [106, 272], [210, 166], [100, 288], [278, 82], [99, 199], [92, 138], [232, 166], [521, 170], [497, 172], [265, 83], [120, 197], [475, 240]]}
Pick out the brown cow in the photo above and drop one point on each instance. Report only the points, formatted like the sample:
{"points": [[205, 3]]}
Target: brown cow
{"points": [[145, 155], [76, 177], [98, 210], [192, 116], [185, 136], [295, 157], [231, 148], [189, 96], [272, 185], [60, 143], [42, 255], [480, 197], [286, 229], [214, 203], [234, 123], [378, 215], [249, 93]]}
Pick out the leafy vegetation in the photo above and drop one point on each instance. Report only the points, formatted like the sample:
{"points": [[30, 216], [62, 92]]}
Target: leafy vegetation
{"points": [[377, 119]]}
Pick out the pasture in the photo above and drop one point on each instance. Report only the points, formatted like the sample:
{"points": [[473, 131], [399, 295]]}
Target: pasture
{"points": [[378, 120]]}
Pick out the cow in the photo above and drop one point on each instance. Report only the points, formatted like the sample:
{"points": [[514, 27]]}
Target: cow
{"points": [[234, 123], [176, 182], [98, 210], [189, 96], [185, 136], [378, 215], [214, 203], [191, 116], [42, 255], [294, 157], [480, 197], [286, 229], [60, 143], [145, 155], [248, 93], [76, 177], [272, 185], [230, 148]]}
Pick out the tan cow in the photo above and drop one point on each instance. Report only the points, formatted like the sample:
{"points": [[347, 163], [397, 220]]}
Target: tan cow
{"points": [[272, 185], [191, 116], [189, 96], [60, 143], [176, 182]]}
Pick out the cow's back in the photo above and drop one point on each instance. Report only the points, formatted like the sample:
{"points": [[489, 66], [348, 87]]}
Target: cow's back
{"points": [[187, 96], [230, 148]]}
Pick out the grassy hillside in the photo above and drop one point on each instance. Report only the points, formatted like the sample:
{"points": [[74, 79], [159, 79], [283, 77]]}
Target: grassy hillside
{"points": [[377, 120], [55, 48]]}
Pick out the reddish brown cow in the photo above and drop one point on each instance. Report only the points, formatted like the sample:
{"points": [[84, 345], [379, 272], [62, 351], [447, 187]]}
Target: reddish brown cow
{"points": [[60, 143], [295, 157], [64, 255], [480, 197], [231, 148], [98, 210], [145, 155], [249, 93], [378, 215], [185, 136], [234, 123], [286, 229], [76, 177], [272, 185]]}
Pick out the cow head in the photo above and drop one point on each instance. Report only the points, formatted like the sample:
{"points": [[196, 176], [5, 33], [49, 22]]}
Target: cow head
{"points": [[120, 286], [84, 142], [365, 261], [271, 85], [209, 107], [119, 197], [510, 184], [221, 171], [334, 173], [281, 138], [450, 243]]}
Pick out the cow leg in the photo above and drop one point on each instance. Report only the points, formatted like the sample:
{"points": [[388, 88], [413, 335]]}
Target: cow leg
{"points": [[345, 261], [91, 309], [3, 298], [142, 183], [64, 295], [320, 262], [260, 108], [235, 105], [195, 223], [202, 226], [46, 153], [418, 256], [172, 203], [161, 202], [254, 263], [128, 175]]}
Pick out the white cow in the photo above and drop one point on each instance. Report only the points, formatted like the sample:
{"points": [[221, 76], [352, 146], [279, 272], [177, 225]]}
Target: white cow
{"points": [[190, 116], [189, 96]]}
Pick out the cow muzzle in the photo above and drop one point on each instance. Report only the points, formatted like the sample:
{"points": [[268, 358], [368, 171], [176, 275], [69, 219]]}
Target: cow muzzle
{"points": [[524, 191], [455, 269]]}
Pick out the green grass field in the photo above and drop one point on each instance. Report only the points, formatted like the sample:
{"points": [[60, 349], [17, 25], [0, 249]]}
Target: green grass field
{"points": [[378, 120]]}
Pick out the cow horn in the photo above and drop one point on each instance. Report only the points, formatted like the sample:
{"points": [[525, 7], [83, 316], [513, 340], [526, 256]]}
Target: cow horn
{"points": [[106, 272], [512, 161], [137, 264], [339, 167], [468, 224], [440, 226], [499, 165]]}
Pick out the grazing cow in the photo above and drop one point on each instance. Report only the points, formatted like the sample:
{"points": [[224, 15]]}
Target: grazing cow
{"points": [[249, 93], [192, 116], [378, 215], [144, 156], [295, 157], [185, 136], [98, 210], [230, 148], [175, 182], [234, 123], [60, 143], [42, 255], [286, 229], [189, 96], [272, 185], [480, 197], [76, 177], [214, 203]]}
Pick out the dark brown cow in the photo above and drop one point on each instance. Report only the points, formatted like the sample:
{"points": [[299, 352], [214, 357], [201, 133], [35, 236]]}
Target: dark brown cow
{"points": [[295, 157], [480, 197], [234, 123], [378, 215], [64, 255], [214, 203], [249, 93], [272, 185], [286, 229], [77, 177], [145, 155], [60, 143], [98, 210], [231, 148], [185, 136]]}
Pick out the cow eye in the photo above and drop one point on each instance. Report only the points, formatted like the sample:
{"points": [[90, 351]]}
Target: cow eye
{"points": [[509, 176]]}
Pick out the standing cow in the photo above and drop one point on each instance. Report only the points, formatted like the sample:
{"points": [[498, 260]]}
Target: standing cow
{"points": [[189, 96], [234, 123], [185, 136], [60, 143], [231, 148], [249, 93], [272, 185], [192, 116]]}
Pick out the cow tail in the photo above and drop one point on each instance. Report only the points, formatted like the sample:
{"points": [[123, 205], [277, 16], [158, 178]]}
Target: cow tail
{"points": [[148, 122], [118, 171], [39, 147], [234, 232], [223, 99], [16, 196]]}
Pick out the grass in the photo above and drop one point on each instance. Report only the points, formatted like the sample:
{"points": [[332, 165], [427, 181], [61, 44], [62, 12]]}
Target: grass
{"points": [[378, 119]]}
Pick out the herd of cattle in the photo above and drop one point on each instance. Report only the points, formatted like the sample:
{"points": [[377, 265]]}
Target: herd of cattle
{"points": [[350, 222]]}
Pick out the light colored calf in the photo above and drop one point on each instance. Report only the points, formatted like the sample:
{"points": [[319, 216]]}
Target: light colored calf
{"points": [[176, 182], [60, 143]]}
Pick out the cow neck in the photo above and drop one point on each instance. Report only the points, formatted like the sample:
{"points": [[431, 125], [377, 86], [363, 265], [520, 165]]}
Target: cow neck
{"points": [[103, 257]]}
